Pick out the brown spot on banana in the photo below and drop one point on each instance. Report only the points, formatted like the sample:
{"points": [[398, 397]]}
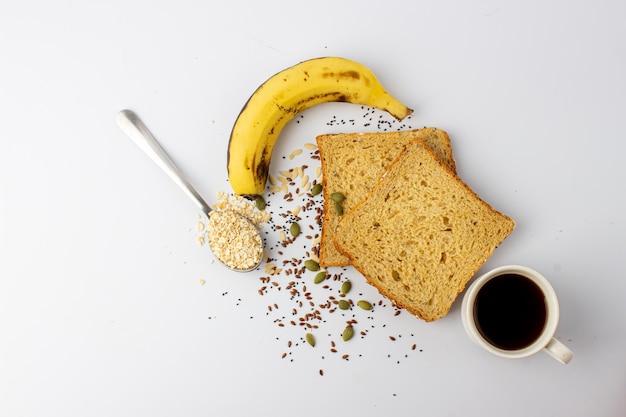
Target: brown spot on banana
{"points": [[355, 75], [333, 96], [263, 167]]}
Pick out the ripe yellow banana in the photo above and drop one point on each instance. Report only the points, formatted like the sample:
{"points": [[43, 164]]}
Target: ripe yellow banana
{"points": [[282, 97]]}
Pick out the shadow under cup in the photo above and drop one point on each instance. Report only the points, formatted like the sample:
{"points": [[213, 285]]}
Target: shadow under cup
{"points": [[511, 311]]}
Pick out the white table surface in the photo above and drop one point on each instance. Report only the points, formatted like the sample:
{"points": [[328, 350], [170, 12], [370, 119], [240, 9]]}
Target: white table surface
{"points": [[101, 308]]}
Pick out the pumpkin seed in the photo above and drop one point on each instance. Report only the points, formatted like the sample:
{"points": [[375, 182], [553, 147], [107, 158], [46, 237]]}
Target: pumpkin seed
{"points": [[347, 334], [317, 188], [395, 275], [365, 305], [346, 287], [338, 208], [259, 202], [319, 277], [310, 339], [343, 305], [311, 265], [294, 229], [337, 197]]}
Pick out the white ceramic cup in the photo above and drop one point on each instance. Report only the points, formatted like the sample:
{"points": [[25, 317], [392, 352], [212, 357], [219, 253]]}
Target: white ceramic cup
{"points": [[545, 341]]}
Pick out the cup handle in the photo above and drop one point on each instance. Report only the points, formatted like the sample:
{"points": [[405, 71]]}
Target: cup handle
{"points": [[558, 351]]}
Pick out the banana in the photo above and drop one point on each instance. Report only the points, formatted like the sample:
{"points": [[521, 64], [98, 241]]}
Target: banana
{"points": [[289, 92]]}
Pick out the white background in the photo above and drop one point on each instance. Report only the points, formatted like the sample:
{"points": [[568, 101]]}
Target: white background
{"points": [[101, 309]]}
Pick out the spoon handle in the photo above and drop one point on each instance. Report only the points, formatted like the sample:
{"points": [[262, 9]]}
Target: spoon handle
{"points": [[132, 125]]}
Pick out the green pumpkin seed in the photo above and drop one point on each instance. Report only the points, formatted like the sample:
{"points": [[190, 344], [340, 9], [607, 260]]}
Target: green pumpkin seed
{"points": [[259, 202], [343, 305], [310, 339], [294, 229], [337, 197], [311, 265], [347, 334], [365, 305], [346, 287], [319, 277], [338, 208], [316, 189]]}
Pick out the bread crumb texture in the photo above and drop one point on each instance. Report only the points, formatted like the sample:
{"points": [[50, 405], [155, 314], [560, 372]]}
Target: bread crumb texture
{"points": [[421, 233]]}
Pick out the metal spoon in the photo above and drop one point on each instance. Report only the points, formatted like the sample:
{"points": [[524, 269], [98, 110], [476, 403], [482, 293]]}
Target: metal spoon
{"points": [[137, 131]]}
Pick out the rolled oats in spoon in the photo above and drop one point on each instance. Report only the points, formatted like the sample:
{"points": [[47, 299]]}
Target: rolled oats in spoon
{"points": [[234, 240]]}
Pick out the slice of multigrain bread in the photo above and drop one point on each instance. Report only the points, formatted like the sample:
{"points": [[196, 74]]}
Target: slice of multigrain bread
{"points": [[421, 233], [352, 164]]}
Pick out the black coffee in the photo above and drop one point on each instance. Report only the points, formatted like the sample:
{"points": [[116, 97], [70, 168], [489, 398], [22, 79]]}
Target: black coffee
{"points": [[510, 311]]}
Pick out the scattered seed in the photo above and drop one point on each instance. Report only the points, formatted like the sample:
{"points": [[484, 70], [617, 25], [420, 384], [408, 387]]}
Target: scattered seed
{"points": [[311, 265], [316, 189], [319, 277], [346, 287], [290, 185], [294, 229], [295, 153], [260, 203], [347, 334]]}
